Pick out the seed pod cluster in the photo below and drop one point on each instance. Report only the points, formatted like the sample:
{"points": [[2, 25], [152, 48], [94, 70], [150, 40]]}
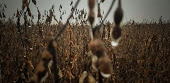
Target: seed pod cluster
{"points": [[100, 60], [116, 31]]}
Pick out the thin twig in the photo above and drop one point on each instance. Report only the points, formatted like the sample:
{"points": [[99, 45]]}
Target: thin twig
{"points": [[52, 50], [58, 35], [102, 23]]}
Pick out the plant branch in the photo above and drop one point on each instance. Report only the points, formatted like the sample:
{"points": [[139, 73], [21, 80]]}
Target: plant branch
{"points": [[102, 23], [58, 35]]}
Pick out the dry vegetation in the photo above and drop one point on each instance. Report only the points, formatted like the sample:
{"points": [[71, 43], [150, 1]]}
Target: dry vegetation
{"points": [[141, 56]]}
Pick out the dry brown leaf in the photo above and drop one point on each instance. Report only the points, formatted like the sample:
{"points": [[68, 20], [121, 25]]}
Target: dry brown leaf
{"points": [[24, 2], [29, 12], [39, 14], [17, 13], [34, 1]]}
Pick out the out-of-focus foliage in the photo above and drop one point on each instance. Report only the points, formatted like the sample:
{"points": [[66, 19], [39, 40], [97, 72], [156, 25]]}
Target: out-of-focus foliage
{"points": [[141, 56]]}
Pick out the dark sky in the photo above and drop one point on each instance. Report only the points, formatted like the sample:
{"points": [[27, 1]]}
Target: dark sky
{"points": [[133, 9]]}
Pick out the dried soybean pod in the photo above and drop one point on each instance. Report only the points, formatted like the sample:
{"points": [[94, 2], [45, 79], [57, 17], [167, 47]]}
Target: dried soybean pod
{"points": [[91, 4], [99, 11], [91, 17], [116, 33], [118, 14]]}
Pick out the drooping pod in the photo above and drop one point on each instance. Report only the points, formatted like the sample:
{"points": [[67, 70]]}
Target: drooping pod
{"points": [[99, 12], [116, 35], [105, 66], [91, 17], [118, 15], [116, 31], [91, 4], [97, 47], [100, 60]]}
